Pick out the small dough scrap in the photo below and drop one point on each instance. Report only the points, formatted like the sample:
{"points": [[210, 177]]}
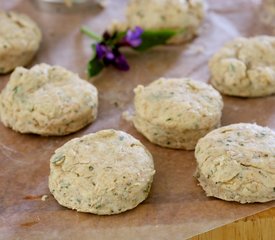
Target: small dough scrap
{"points": [[20, 38], [106, 172], [47, 100], [176, 112], [245, 67], [237, 163]]}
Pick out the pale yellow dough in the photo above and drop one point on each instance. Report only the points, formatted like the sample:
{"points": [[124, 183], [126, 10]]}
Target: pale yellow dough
{"points": [[181, 15], [20, 38], [176, 113], [47, 100], [237, 163], [104, 173], [245, 67]]}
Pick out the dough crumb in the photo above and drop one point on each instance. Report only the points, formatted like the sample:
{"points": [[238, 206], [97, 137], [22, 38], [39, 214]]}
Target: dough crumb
{"points": [[197, 49], [127, 116], [44, 198]]}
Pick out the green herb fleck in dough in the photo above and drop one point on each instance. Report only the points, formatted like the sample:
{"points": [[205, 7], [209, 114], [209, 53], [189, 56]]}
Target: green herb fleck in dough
{"points": [[15, 89], [121, 138], [91, 168], [163, 18], [232, 67], [140, 14], [58, 160]]}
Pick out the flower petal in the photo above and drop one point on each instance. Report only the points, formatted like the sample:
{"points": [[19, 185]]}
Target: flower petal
{"points": [[101, 50], [135, 33], [121, 63], [110, 56], [133, 37]]}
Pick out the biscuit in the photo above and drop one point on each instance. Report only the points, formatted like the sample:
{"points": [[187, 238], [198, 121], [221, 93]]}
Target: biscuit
{"points": [[176, 113], [245, 67], [47, 100], [183, 16], [20, 38], [237, 163], [104, 173]]}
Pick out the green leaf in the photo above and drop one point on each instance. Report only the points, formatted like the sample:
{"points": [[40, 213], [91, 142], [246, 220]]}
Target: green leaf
{"points": [[115, 38], [151, 38], [95, 66]]}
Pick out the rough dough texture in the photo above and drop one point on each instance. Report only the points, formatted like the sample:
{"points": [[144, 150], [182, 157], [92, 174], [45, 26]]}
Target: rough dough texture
{"points": [[182, 15], [175, 113], [107, 172], [245, 67], [20, 38], [47, 100], [237, 163]]}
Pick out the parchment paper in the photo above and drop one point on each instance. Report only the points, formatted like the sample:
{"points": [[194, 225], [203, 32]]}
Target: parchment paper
{"points": [[177, 207]]}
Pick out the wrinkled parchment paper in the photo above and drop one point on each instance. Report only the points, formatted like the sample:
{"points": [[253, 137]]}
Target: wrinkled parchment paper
{"points": [[177, 207]]}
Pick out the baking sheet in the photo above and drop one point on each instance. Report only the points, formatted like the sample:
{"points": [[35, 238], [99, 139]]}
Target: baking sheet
{"points": [[176, 208]]}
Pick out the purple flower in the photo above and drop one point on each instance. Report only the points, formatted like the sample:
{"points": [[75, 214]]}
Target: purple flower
{"points": [[111, 56], [107, 51], [104, 53], [133, 37], [120, 62]]}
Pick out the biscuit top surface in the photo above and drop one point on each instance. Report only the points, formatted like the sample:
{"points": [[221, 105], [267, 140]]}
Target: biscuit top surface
{"points": [[236, 147], [245, 67], [178, 100], [161, 14], [108, 155], [18, 31], [253, 52], [51, 92]]}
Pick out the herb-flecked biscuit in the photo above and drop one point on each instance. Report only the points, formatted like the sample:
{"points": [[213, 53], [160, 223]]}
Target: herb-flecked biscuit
{"points": [[177, 112], [181, 15], [237, 163], [20, 38], [47, 100], [245, 67], [104, 173]]}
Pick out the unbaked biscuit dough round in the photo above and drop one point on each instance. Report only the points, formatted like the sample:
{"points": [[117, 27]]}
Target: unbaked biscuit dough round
{"points": [[176, 113], [245, 67], [181, 15], [237, 163], [104, 173], [47, 100], [20, 38]]}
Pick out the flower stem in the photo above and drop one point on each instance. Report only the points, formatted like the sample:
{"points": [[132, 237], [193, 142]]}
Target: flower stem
{"points": [[91, 34]]}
